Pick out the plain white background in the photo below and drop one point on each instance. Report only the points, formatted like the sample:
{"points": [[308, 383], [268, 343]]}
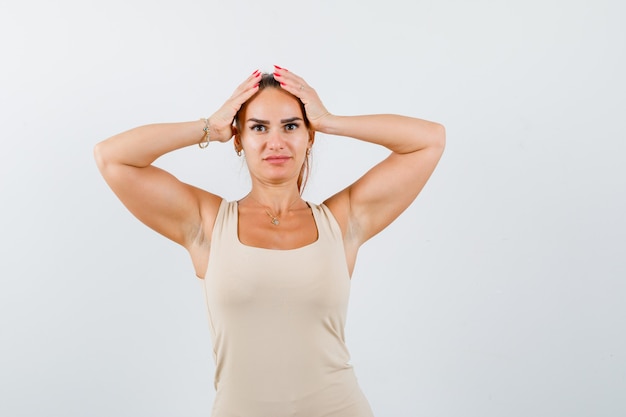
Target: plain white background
{"points": [[499, 292]]}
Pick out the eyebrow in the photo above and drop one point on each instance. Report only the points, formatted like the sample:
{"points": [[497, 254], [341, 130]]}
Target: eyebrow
{"points": [[266, 122]]}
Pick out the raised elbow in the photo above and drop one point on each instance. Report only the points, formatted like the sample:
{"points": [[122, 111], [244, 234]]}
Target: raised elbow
{"points": [[439, 136], [99, 155]]}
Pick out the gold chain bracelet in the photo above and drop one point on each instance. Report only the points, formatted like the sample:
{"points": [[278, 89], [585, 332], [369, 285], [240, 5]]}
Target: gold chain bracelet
{"points": [[204, 142]]}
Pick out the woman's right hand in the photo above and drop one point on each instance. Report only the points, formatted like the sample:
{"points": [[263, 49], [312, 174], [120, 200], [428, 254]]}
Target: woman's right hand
{"points": [[221, 122]]}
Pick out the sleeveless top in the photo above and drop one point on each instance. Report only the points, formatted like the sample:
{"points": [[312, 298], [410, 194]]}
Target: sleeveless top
{"points": [[277, 321]]}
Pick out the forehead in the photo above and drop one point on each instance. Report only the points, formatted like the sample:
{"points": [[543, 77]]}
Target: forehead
{"points": [[272, 103]]}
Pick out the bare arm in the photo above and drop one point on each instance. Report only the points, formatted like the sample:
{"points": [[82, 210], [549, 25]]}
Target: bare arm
{"points": [[174, 209], [385, 191], [369, 205], [153, 195]]}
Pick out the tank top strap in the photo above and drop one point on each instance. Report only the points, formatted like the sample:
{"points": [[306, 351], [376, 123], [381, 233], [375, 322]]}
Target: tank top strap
{"points": [[327, 227], [225, 227]]}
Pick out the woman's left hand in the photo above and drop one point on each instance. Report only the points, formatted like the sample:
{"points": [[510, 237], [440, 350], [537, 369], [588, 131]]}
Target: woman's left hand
{"points": [[315, 110]]}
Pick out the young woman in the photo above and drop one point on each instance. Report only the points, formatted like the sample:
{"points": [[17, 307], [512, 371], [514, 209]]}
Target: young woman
{"points": [[276, 269]]}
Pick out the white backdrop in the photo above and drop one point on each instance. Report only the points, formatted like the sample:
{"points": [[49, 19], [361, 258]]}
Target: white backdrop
{"points": [[500, 292]]}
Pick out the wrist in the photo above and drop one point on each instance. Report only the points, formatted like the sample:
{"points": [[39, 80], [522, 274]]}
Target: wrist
{"points": [[327, 123], [206, 134]]}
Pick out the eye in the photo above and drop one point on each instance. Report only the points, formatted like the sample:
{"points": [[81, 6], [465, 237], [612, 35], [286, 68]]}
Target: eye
{"points": [[291, 126], [258, 128]]}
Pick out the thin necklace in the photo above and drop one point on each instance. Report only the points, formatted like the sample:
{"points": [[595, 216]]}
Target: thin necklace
{"points": [[274, 219]]}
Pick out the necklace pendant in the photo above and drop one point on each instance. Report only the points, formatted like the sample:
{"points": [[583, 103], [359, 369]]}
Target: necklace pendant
{"points": [[275, 221]]}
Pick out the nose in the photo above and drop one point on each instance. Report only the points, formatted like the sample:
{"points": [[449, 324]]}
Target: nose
{"points": [[275, 139]]}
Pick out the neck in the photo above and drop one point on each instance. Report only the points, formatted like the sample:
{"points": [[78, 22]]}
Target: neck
{"points": [[276, 205], [277, 200]]}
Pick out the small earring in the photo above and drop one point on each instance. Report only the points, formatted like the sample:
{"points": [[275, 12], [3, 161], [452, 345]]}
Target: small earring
{"points": [[239, 152], [308, 151]]}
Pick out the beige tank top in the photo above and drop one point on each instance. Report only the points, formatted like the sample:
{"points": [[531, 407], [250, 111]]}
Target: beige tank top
{"points": [[277, 321]]}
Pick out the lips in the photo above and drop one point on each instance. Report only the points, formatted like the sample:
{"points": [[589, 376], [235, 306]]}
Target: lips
{"points": [[277, 158]]}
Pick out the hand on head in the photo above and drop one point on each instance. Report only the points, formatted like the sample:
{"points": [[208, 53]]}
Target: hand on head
{"points": [[315, 110], [221, 121]]}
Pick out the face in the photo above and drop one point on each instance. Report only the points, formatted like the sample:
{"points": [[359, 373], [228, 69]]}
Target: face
{"points": [[273, 137]]}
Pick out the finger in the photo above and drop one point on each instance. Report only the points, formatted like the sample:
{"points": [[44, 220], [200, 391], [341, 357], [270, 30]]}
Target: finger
{"points": [[239, 100], [290, 81], [241, 94], [249, 83]]}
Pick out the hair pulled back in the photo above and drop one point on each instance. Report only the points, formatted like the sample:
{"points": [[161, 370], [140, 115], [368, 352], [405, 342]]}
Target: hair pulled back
{"points": [[268, 81]]}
